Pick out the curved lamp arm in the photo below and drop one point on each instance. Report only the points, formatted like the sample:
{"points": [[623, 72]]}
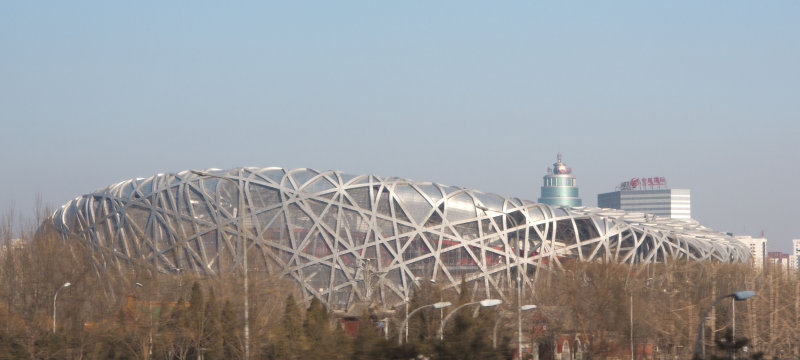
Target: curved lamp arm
{"points": [[484, 303], [438, 305], [54, 304], [738, 296]]}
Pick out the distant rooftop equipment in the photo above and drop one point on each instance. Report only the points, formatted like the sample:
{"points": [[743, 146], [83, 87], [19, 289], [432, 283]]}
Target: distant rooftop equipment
{"points": [[649, 195], [560, 188]]}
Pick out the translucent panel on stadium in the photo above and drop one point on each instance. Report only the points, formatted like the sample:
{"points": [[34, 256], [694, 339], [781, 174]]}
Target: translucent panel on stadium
{"points": [[349, 239]]}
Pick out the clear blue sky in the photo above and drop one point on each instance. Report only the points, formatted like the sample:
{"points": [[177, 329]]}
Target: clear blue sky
{"points": [[473, 94]]}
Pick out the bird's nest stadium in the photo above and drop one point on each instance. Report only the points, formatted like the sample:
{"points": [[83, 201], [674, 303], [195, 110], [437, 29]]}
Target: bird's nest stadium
{"points": [[348, 238]]}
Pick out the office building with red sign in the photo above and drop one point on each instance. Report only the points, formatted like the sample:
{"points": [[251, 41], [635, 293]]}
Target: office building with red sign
{"points": [[649, 195]]}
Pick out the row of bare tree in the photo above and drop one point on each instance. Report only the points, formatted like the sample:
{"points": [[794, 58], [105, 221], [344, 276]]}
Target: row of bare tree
{"points": [[605, 309], [121, 311], [656, 309]]}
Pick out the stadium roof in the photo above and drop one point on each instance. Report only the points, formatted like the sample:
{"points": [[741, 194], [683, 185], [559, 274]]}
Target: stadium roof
{"points": [[349, 238]]}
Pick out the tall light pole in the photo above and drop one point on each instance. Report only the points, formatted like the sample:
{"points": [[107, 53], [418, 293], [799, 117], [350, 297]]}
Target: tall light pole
{"points": [[484, 303], [240, 222], [66, 284], [733, 325], [647, 281], [699, 347], [150, 318], [497, 323], [438, 305], [519, 277]]}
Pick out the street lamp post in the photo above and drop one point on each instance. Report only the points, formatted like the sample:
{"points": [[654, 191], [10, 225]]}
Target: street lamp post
{"points": [[699, 347], [150, 318], [67, 284], [438, 305], [240, 221], [733, 325], [484, 303], [497, 323], [631, 317], [519, 277], [632, 356]]}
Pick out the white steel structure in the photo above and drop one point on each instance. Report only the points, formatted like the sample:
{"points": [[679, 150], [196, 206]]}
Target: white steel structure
{"points": [[671, 203], [349, 238]]}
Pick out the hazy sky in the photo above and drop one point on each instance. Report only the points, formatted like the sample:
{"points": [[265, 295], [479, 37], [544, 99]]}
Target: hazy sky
{"points": [[473, 94]]}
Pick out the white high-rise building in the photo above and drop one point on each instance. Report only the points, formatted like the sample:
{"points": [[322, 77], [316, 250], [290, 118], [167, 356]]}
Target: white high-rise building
{"points": [[796, 253], [758, 249]]}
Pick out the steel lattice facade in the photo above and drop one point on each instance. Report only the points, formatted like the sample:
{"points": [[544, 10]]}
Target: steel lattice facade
{"points": [[347, 238]]}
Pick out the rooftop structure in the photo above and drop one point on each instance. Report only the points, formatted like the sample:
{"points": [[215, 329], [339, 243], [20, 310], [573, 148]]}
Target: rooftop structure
{"points": [[560, 188], [349, 238], [649, 195]]}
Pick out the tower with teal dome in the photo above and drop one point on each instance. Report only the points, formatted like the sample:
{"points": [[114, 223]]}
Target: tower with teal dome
{"points": [[560, 188]]}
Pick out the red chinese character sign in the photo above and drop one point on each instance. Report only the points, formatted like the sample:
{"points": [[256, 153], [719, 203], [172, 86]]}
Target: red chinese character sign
{"points": [[643, 182]]}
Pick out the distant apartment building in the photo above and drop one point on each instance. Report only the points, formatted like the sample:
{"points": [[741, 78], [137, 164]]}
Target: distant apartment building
{"points": [[11, 244], [796, 253], [651, 196], [758, 249], [784, 260]]}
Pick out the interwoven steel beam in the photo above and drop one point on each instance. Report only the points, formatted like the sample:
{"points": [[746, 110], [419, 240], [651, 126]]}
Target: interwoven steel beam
{"points": [[347, 238]]}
